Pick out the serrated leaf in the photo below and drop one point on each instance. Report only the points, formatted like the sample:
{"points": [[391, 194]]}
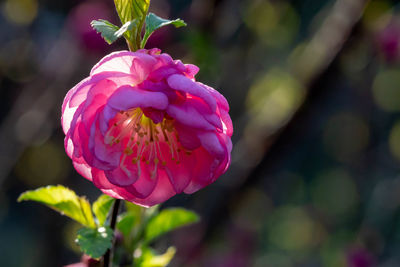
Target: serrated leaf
{"points": [[95, 242], [154, 22], [106, 29], [101, 208], [126, 27], [64, 201], [150, 259], [168, 220], [111, 32]]}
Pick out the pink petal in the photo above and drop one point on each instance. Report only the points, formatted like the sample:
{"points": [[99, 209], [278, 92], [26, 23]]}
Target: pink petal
{"points": [[108, 156], [100, 180], [120, 177], [203, 172], [179, 174], [221, 100], [67, 118], [145, 185], [186, 114], [191, 70], [161, 192], [182, 83], [187, 136], [84, 170], [211, 143], [127, 97], [137, 64]]}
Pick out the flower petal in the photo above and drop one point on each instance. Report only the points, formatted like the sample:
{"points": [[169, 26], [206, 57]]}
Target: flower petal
{"points": [[136, 64], [203, 173], [162, 191], [184, 84], [179, 172], [121, 177], [127, 97], [186, 114]]}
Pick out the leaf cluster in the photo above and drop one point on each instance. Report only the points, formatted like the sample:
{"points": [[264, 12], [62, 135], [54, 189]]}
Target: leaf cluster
{"points": [[134, 16], [139, 226]]}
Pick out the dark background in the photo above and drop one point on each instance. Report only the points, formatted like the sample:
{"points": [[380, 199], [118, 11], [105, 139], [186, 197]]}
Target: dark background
{"points": [[314, 90]]}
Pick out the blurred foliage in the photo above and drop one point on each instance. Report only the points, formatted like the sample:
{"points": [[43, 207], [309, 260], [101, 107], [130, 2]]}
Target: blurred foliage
{"points": [[325, 194], [137, 227]]}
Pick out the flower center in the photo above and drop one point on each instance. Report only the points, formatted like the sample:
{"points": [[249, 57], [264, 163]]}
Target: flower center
{"points": [[142, 140]]}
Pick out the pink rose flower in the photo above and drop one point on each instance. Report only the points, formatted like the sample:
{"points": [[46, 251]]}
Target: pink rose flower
{"points": [[142, 129]]}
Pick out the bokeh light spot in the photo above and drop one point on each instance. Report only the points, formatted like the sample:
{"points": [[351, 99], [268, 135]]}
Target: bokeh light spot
{"points": [[43, 165], [275, 23], [246, 213], [292, 229], [394, 140], [21, 12], [386, 90], [69, 239], [376, 13], [345, 136], [273, 260], [273, 98], [33, 127], [335, 194]]}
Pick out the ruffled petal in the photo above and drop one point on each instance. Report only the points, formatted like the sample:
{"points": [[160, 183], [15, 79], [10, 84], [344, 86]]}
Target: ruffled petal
{"points": [[107, 156], [162, 191], [187, 137], [186, 114], [127, 97], [212, 144], [84, 170], [203, 172], [122, 177], [184, 84], [179, 171], [138, 65], [147, 182]]}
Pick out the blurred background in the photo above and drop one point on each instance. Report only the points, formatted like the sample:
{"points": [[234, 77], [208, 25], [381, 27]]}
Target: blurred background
{"points": [[314, 90]]}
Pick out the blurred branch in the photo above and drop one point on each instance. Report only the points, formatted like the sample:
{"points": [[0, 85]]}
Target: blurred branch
{"points": [[306, 68], [328, 40], [258, 138]]}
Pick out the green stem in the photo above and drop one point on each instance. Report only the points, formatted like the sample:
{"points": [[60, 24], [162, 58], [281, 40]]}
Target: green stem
{"points": [[107, 260], [131, 46]]}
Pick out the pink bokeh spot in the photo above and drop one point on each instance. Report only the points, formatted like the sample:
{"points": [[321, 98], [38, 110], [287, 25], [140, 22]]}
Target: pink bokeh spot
{"points": [[142, 129]]}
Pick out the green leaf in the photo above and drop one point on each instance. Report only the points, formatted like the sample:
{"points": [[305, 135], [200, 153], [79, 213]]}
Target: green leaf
{"points": [[150, 259], [168, 220], [133, 10], [95, 242], [134, 209], [154, 22], [126, 27], [129, 10], [106, 29], [64, 201], [111, 32], [126, 223], [101, 208]]}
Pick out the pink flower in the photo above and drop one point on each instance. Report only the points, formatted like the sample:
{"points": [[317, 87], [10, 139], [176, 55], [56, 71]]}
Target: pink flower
{"points": [[142, 129]]}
